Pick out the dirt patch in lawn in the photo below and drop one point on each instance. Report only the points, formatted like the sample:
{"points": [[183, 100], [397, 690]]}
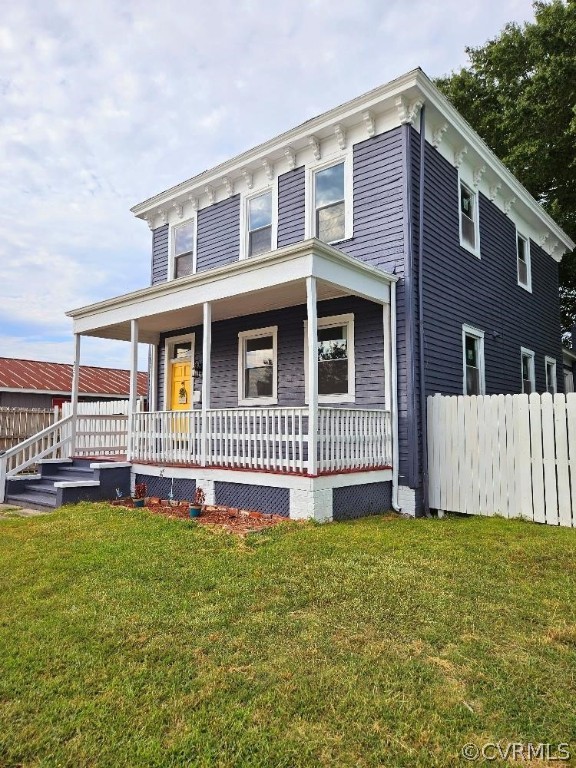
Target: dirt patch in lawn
{"points": [[231, 519]]}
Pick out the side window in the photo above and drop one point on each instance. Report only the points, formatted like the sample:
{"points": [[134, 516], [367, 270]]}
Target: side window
{"points": [[469, 231], [528, 377], [183, 237], [523, 261], [336, 363], [550, 366], [260, 224], [257, 366], [330, 204], [473, 360]]}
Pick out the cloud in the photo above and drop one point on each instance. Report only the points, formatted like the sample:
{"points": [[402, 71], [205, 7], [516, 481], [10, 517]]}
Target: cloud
{"points": [[106, 104]]}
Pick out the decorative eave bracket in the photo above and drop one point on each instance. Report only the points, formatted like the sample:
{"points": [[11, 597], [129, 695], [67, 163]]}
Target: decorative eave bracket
{"points": [[408, 112]]}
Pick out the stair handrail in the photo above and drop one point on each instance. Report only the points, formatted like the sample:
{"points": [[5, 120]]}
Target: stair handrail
{"points": [[47, 447]]}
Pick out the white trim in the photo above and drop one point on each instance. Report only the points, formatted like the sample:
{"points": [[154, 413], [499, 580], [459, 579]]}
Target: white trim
{"points": [[478, 334], [345, 158], [257, 333], [528, 285], [550, 361], [271, 187], [529, 353], [330, 322], [77, 484], [110, 464], [476, 218], [172, 249], [169, 343]]}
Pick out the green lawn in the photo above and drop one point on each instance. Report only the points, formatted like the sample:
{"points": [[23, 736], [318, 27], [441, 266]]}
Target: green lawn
{"points": [[131, 640]]}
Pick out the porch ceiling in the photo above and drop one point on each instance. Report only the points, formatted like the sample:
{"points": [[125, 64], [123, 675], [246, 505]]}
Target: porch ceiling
{"points": [[272, 281]]}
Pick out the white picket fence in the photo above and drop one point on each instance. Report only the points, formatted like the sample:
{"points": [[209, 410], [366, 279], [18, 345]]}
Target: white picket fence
{"points": [[101, 427], [509, 455]]}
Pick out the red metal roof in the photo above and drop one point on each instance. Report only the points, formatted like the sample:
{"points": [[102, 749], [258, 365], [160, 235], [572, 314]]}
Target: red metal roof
{"points": [[33, 375]]}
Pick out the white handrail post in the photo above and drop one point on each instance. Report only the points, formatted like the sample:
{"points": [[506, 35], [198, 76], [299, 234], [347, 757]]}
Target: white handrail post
{"points": [[312, 330], [206, 370], [74, 397], [133, 398], [2, 478]]}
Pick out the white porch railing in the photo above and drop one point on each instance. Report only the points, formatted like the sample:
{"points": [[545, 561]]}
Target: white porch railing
{"points": [[274, 439]]}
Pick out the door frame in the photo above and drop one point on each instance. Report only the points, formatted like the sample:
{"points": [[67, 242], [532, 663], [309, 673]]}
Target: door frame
{"points": [[169, 344]]}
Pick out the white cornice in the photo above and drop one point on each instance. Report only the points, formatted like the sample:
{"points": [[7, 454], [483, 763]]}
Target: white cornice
{"points": [[403, 97]]}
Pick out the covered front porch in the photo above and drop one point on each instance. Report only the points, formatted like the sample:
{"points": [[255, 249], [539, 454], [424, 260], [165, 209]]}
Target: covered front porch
{"points": [[297, 426]]}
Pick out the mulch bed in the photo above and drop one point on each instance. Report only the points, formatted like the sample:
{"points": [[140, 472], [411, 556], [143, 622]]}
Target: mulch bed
{"points": [[231, 519]]}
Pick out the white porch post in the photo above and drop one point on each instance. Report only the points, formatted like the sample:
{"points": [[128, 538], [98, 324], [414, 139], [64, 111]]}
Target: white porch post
{"points": [[74, 397], [312, 329], [153, 382], [133, 398], [206, 370]]}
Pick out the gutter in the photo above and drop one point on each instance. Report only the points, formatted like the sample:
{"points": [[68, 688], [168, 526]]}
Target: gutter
{"points": [[423, 412], [394, 403]]}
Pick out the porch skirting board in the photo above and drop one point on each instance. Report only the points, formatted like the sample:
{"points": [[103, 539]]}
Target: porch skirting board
{"points": [[298, 497]]}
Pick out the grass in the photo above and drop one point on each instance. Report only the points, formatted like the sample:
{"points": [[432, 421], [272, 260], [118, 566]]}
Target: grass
{"points": [[127, 639]]}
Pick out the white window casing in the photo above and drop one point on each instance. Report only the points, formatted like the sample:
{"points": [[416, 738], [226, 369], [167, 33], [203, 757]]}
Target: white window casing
{"points": [[468, 218], [169, 346], [527, 370], [523, 262], [335, 321], [473, 371], [183, 241], [244, 337], [550, 372], [312, 208]]}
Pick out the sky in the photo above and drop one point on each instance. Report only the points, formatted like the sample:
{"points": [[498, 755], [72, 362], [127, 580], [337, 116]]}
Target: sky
{"points": [[104, 104]]}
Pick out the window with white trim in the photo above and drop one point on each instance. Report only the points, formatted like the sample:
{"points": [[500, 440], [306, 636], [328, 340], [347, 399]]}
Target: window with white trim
{"points": [[527, 369], [473, 360], [331, 204], [469, 234], [336, 364], [257, 366], [259, 223], [523, 262], [550, 368], [183, 242]]}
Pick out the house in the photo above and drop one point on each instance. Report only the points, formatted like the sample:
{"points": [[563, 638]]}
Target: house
{"points": [[36, 384], [307, 295]]}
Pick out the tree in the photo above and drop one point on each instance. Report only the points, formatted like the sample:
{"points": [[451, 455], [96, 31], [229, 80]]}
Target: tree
{"points": [[519, 94]]}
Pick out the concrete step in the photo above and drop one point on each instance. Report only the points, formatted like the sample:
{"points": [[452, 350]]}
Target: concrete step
{"points": [[32, 500]]}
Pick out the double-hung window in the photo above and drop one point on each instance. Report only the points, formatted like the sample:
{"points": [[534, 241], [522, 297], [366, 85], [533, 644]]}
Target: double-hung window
{"points": [[336, 364], [257, 366], [259, 223], [183, 248], [550, 367], [469, 235], [330, 204], [527, 368], [523, 262], [473, 349]]}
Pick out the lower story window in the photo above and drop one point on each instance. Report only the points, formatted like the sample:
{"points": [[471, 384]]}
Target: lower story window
{"points": [[336, 369], [550, 364], [528, 378], [473, 348], [257, 366]]}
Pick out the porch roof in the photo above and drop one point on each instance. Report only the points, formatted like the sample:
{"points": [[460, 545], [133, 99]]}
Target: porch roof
{"points": [[271, 281]]}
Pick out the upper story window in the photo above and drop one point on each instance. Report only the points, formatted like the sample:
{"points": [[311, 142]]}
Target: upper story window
{"points": [[257, 366], [523, 261], [469, 231], [329, 204], [183, 237], [550, 366], [473, 348], [260, 224], [336, 364], [528, 376]]}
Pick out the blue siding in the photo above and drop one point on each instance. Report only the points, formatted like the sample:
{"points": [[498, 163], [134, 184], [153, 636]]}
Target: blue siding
{"points": [[160, 250], [353, 501], [291, 207], [460, 288], [218, 241], [260, 498], [369, 352]]}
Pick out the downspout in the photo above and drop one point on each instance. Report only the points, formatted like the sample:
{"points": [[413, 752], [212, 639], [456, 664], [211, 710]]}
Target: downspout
{"points": [[423, 414], [394, 398]]}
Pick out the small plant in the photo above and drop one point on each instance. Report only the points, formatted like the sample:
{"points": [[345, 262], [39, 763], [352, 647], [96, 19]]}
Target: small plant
{"points": [[119, 493], [199, 497], [140, 490]]}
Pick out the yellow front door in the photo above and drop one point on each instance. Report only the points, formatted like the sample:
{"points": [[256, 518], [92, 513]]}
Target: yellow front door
{"points": [[180, 389]]}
